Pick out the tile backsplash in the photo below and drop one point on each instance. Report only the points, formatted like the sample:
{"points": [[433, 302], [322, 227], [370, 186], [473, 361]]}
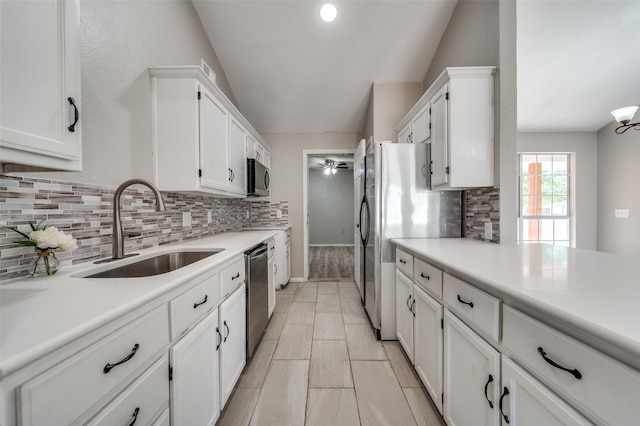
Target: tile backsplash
{"points": [[85, 211], [482, 205]]}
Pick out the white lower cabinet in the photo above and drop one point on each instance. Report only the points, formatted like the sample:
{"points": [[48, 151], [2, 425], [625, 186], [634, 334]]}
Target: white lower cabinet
{"points": [[427, 343], [195, 385], [142, 402], [471, 376], [233, 326], [271, 271], [525, 401], [404, 313]]}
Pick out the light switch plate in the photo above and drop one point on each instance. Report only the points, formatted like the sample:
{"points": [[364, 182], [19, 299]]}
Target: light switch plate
{"points": [[186, 218], [621, 213], [488, 231]]}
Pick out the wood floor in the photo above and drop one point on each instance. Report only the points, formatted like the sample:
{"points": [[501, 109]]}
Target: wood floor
{"points": [[333, 263]]}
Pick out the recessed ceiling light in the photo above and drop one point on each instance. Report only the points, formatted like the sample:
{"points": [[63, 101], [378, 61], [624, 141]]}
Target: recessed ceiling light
{"points": [[328, 12]]}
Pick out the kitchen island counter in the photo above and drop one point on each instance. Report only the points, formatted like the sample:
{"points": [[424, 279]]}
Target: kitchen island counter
{"points": [[592, 296]]}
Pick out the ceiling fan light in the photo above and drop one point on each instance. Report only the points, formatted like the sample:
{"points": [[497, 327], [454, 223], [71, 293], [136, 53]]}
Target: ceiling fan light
{"points": [[334, 171], [624, 114], [327, 171]]}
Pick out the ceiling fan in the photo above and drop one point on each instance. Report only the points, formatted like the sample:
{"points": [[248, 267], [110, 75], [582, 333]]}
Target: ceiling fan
{"points": [[331, 166]]}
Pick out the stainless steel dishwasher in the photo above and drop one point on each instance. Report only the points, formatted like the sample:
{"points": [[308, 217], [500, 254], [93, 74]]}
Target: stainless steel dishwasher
{"points": [[257, 276]]}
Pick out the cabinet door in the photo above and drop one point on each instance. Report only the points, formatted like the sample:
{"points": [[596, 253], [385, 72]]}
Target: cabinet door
{"points": [[213, 142], [427, 343], [39, 72], [404, 135], [439, 138], [237, 158], [233, 326], [525, 401], [471, 367], [272, 285], [195, 386], [421, 125], [404, 312]]}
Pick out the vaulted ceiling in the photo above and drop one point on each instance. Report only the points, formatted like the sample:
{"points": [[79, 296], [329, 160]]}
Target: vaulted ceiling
{"points": [[291, 72]]}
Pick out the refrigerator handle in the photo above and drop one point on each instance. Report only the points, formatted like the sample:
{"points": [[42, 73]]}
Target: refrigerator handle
{"points": [[366, 238], [363, 239]]}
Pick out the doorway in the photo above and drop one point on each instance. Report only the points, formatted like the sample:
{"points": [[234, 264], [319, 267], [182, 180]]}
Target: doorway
{"points": [[329, 211]]}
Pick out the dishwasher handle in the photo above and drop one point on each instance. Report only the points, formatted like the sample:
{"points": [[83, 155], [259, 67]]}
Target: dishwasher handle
{"points": [[258, 252]]}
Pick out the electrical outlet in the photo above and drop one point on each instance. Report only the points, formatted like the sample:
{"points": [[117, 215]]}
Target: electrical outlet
{"points": [[186, 218], [488, 231], [621, 213], [209, 216]]}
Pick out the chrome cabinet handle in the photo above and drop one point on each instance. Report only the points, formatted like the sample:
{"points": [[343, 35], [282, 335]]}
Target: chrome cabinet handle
{"points": [[76, 115], [195, 305], [574, 372], [464, 302], [110, 367]]}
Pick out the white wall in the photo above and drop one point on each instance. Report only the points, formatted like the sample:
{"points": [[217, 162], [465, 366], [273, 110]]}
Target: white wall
{"points": [[119, 40], [618, 169], [331, 220], [286, 178], [584, 146]]}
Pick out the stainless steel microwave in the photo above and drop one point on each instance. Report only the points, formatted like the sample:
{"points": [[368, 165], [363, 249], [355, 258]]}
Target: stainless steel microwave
{"points": [[257, 179]]}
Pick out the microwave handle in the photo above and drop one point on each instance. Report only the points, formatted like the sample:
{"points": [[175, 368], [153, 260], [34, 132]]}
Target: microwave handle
{"points": [[266, 179]]}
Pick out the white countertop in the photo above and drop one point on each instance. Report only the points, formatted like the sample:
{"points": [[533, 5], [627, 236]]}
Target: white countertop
{"points": [[39, 315], [268, 227], [591, 295]]}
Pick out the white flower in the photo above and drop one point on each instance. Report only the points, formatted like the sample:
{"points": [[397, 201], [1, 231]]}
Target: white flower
{"points": [[52, 238]]}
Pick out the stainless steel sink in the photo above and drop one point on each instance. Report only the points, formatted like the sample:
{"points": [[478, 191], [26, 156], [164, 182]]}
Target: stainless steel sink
{"points": [[160, 264]]}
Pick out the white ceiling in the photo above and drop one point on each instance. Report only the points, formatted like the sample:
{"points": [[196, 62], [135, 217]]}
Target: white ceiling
{"points": [[290, 72], [577, 61]]}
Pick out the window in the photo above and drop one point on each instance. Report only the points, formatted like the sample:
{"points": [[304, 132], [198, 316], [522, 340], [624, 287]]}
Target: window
{"points": [[545, 201]]}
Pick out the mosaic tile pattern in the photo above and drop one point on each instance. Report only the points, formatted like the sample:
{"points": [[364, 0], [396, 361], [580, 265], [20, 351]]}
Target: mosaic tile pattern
{"points": [[482, 205], [86, 212]]}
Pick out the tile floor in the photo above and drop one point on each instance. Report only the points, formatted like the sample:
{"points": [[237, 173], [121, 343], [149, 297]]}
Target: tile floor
{"points": [[320, 364]]}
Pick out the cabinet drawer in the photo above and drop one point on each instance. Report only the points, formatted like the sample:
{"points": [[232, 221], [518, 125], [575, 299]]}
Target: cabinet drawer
{"points": [[193, 304], [404, 262], [475, 307], [232, 276], [63, 393], [142, 401], [428, 277], [607, 390]]}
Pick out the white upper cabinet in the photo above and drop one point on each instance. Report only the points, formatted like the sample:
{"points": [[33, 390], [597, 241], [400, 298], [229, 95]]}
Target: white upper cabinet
{"points": [[200, 139], [461, 132], [258, 151], [40, 101], [237, 157], [404, 135]]}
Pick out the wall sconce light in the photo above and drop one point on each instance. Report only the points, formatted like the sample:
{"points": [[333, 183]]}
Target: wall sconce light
{"points": [[625, 115]]}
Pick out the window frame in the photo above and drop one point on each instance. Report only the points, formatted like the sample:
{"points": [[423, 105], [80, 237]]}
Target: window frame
{"points": [[570, 214]]}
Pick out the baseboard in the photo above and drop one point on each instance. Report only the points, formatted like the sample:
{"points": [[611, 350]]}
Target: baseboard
{"points": [[296, 280], [330, 245]]}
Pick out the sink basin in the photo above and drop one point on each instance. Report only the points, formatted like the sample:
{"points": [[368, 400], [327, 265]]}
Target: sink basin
{"points": [[160, 264]]}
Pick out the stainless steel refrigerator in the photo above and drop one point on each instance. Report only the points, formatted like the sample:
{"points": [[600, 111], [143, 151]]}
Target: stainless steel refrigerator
{"points": [[397, 203]]}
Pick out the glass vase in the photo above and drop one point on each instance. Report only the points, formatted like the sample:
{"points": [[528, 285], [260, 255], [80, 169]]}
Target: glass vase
{"points": [[45, 263]]}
